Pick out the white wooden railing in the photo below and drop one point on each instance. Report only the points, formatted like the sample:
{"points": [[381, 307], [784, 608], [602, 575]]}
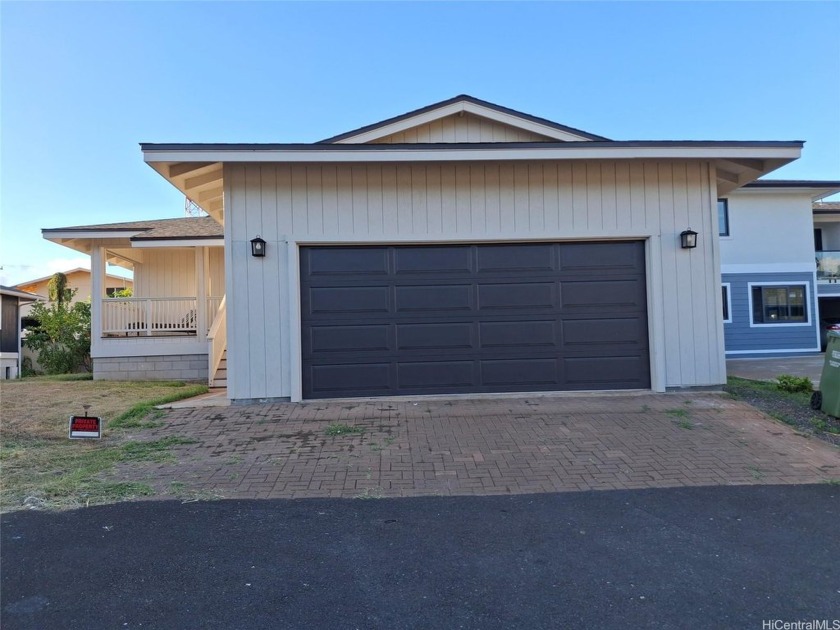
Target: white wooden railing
{"points": [[148, 316], [213, 303], [217, 339]]}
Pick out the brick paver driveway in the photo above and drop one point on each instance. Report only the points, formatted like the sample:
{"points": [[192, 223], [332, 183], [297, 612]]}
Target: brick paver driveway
{"points": [[480, 446]]}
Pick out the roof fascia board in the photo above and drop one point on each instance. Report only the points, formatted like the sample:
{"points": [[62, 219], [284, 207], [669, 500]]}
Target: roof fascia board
{"points": [[21, 295], [149, 243], [814, 193], [97, 234], [473, 154], [455, 108]]}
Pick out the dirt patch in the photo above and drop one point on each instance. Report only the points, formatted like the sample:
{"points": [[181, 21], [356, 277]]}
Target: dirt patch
{"points": [[791, 408]]}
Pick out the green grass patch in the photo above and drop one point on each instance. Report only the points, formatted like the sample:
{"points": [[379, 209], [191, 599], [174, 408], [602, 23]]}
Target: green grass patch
{"points": [[677, 413], [337, 429], [59, 378], [742, 387], [793, 384], [144, 415]]}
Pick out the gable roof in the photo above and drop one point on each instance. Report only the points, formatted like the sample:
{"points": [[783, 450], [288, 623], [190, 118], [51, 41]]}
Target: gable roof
{"points": [[463, 103]]}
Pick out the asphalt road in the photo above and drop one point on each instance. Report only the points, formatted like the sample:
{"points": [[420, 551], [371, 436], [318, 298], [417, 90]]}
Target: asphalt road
{"points": [[699, 557]]}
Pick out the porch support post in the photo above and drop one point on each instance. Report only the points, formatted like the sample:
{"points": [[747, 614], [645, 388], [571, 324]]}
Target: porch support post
{"points": [[201, 295], [97, 292]]}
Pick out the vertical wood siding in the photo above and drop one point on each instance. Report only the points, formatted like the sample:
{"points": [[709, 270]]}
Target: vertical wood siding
{"points": [[465, 128], [465, 202], [166, 273], [216, 272]]}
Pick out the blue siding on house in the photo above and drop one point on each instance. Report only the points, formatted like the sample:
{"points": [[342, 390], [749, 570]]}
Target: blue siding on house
{"points": [[740, 337]]}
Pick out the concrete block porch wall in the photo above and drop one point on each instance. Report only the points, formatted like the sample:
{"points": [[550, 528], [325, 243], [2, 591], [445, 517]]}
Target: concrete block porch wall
{"points": [[182, 367]]}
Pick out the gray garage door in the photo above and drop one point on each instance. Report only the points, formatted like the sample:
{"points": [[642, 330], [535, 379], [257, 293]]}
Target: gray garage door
{"points": [[473, 318]]}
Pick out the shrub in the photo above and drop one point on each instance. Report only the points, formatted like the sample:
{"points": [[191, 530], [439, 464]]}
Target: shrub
{"points": [[793, 384], [62, 336]]}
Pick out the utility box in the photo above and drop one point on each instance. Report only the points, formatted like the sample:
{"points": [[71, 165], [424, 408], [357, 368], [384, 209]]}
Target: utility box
{"points": [[827, 399]]}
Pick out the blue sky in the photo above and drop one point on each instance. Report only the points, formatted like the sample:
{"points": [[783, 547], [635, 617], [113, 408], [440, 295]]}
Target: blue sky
{"points": [[83, 83]]}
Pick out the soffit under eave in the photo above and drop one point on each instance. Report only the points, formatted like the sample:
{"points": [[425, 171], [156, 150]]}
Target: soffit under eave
{"points": [[201, 182], [734, 173]]}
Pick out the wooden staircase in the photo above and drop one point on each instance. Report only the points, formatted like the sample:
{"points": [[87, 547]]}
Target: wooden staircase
{"points": [[220, 377]]}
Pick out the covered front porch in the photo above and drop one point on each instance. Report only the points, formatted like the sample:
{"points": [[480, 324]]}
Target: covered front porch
{"points": [[173, 325]]}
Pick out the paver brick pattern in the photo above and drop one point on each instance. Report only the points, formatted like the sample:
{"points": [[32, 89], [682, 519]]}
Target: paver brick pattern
{"points": [[479, 446]]}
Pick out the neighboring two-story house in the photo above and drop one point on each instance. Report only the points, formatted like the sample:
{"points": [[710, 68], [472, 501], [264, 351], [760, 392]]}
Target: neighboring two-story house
{"points": [[827, 244], [79, 281], [774, 281]]}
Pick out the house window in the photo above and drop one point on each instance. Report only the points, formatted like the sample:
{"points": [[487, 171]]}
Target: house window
{"points": [[727, 304], [779, 304], [723, 217]]}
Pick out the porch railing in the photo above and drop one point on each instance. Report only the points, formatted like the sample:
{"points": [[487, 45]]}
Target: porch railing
{"points": [[828, 266], [149, 316]]}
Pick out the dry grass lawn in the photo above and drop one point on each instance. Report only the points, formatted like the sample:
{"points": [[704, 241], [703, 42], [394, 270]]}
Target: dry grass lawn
{"points": [[42, 468]]}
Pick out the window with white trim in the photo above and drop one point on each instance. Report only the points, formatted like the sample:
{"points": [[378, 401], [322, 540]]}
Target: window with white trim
{"points": [[723, 217], [779, 304], [727, 303]]}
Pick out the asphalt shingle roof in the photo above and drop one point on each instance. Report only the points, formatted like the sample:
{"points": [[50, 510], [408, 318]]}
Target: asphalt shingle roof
{"points": [[186, 227]]}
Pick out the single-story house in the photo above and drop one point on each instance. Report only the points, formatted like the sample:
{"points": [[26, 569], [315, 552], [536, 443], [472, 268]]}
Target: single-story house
{"points": [[462, 247], [11, 301], [775, 277]]}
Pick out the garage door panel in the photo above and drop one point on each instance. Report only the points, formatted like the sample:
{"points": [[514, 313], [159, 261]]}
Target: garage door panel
{"points": [[426, 298], [518, 334], [601, 258], [332, 339], [513, 258], [349, 379], [450, 374], [474, 318], [345, 261], [437, 260], [519, 296], [598, 294], [590, 332], [519, 372], [614, 372], [357, 300], [442, 336]]}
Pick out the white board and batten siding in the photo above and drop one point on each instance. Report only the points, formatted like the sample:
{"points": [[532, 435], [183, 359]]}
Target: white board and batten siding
{"points": [[294, 205], [172, 273], [462, 128]]}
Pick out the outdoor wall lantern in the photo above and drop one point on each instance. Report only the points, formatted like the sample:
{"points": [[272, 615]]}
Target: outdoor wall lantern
{"points": [[257, 247], [688, 239]]}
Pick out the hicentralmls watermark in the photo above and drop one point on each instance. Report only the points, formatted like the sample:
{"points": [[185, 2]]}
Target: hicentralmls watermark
{"points": [[811, 624]]}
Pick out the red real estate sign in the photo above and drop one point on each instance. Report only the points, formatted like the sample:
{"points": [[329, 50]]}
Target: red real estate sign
{"points": [[85, 427]]}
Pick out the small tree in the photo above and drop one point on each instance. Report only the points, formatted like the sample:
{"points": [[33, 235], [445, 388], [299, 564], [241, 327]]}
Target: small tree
{"points": [[61, 336]]}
